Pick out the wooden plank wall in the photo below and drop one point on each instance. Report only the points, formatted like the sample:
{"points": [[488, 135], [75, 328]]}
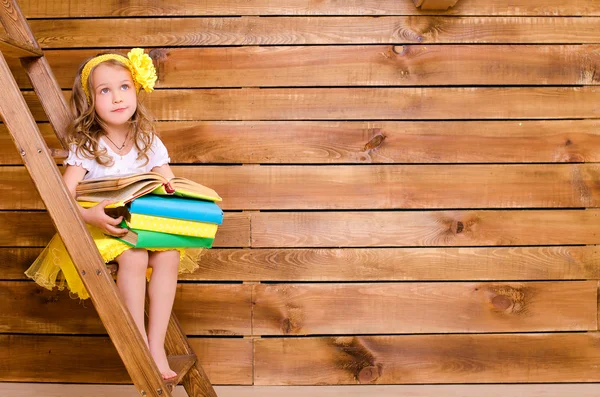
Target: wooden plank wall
{"points": [[411, 196]]}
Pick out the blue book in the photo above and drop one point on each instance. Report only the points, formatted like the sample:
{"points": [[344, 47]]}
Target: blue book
{"points": [[177, 208]]}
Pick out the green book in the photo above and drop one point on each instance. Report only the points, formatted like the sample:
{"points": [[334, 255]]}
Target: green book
{"points": [[148, 239]]}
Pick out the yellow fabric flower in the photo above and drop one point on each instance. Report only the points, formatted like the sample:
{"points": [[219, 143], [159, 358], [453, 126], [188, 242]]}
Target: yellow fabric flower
{"points": [[144, 72]]}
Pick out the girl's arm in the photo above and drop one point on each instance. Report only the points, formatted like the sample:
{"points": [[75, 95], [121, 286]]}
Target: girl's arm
{"points": [[165, 171], [94, 216]]}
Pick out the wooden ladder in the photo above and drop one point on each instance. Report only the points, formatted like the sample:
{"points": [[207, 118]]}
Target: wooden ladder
{"points": [[20, 43]]}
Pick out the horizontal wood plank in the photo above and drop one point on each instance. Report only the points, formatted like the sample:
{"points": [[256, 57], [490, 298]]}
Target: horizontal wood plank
{"points": [[376, 142], [499, 358], [365, 229], [90, 359], [265, 187], [356, 264], [424, 228], [202, 310], [372, 264], [325, 309], [256, 30], [496, 390], [292, 309], [366, 103], [377, 65], [35, 229], [90, 8]]}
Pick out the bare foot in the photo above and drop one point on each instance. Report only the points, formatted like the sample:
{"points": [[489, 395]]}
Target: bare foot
{"points": [[160, 358]]}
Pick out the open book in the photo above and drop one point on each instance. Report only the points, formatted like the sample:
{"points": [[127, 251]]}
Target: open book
{"points": [[124, 188]]}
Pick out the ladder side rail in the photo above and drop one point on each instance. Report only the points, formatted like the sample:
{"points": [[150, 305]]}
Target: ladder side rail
{"points": [[195, 382], [38, 70], [68, 221]]}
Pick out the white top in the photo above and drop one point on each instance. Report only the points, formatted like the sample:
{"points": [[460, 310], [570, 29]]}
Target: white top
{"points": [[122, 165]]}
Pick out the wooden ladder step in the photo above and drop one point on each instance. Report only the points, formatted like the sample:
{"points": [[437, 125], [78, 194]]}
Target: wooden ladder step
{"points": [[13, 49], [59, 153], [180, 364]]}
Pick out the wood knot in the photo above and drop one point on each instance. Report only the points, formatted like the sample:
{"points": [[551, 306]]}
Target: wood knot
{"points": [[286, 326], [292, 321], [159, 57], [368, 374], [508, 299], [375, 142], [459, 227], [399, 49], [501, 302]]}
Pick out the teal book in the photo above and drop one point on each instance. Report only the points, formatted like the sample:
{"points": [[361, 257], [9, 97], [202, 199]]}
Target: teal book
{"points": [[147, 239], [177, 208]]}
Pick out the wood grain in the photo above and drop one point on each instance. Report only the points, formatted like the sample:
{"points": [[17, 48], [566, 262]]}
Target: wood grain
{"points": [[389, 187], [357, 65], [60, 359], [499, 358], [256, 30], [365, 229], [441, 5], [392, 264], [14, 49], [367, 103], [372, 264], [35, 229], [90, 8], [496, 390], [415, 308], [373, 142], [202, 309], [424, 228]]}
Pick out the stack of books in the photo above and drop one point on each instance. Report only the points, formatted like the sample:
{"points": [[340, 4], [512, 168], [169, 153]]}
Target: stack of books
{"points": [[157, 213]]}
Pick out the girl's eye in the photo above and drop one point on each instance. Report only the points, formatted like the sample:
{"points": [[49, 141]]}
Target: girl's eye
{"points": [[104, 91], [125, 87]]}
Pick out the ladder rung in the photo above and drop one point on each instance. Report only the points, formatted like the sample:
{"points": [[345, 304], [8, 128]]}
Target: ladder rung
{"points": [[180, 364], [59, 153], [13, 49]]}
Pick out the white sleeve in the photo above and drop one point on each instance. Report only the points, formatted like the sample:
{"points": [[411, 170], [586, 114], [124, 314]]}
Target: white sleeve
{"points": [[74, 159], [158, 154]]}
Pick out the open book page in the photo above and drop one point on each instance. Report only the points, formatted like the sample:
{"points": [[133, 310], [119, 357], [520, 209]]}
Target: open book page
{"points": [[187, 188], [118, 182], [123, 195]]}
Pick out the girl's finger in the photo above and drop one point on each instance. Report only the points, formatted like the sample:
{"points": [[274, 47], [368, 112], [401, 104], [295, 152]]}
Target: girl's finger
{"points": [[113, 221], [115, 230], [104, 203]]}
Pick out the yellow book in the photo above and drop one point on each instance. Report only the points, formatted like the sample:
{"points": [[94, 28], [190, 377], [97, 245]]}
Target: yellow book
{"points": [[172, 226]]}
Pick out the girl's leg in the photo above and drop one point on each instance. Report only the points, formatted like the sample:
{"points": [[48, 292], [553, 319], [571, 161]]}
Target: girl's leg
{"points": [[161, 293], [131, 281]]}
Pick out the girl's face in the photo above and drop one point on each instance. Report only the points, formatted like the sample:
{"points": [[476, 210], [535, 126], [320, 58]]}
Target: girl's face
{"points": [[115, 96]]}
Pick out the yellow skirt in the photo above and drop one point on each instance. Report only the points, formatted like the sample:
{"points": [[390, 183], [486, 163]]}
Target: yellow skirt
{"points": [[54, 268]]}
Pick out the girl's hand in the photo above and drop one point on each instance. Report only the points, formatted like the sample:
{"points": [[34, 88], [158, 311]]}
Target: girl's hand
{"points": [[96, 216]]}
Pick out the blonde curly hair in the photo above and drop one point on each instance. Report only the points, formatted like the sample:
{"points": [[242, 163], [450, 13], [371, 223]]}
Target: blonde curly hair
{"points": [[87, 127]]}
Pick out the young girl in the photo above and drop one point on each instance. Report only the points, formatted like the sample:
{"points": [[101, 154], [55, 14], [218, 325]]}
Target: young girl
{"points": [[113, 134]]}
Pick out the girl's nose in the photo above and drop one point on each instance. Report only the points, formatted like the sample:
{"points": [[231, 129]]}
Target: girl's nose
{"points": [[117, 98]]}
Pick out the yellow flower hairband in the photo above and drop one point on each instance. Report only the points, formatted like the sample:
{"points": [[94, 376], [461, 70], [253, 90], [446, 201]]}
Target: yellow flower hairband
{"points": [[139, 64]]}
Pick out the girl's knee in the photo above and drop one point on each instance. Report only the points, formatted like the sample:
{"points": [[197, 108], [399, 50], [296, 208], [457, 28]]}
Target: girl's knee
{"points": [[133, 260], [164, 258]]}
